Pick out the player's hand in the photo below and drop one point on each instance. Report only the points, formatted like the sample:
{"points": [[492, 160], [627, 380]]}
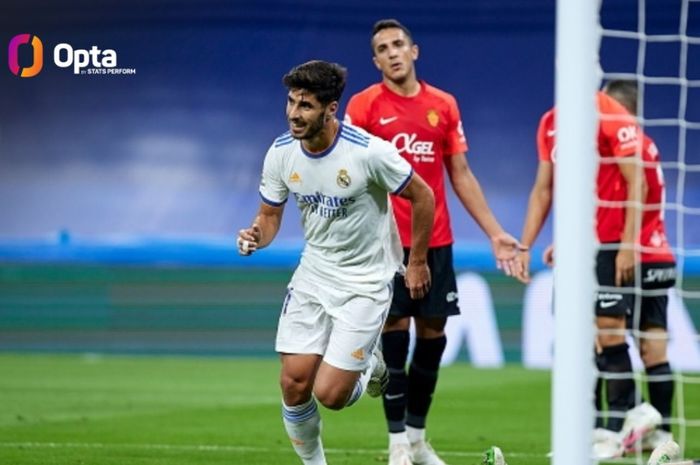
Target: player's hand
{"points": [[548, 255], [417, 279], [506, 249], [523, 275], [624, 267], [249, 239]]}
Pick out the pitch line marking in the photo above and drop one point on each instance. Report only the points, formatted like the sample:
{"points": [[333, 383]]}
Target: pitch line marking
{"points": [[221, 448]]}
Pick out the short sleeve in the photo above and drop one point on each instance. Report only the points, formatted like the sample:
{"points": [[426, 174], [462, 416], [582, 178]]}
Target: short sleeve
{"points": [[273, 190], [619, 132], [546, 137], [387, 168], [456, 141], [356, 112]]}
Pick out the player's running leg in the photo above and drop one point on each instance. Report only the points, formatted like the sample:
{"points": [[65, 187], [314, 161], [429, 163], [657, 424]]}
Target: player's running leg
{"points": [[352, 363], [379, 375], [373, 380], [299, 410]]}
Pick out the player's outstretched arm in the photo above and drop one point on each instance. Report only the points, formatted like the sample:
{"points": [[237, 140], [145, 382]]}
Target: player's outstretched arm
{"points": [[262, 231], [468, 190], [636, 193], [538, 209], [423, 213]]}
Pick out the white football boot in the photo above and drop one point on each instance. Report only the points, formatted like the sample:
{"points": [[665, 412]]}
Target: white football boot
{"points": [[400, 454], [654, 439], [667, 452], [494, 456], [604, 434], [607, 444], [379, 379], [424, 454], [639, 421]]}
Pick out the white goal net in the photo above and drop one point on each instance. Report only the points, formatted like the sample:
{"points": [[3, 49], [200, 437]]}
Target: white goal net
{"points": [[655, 43]]}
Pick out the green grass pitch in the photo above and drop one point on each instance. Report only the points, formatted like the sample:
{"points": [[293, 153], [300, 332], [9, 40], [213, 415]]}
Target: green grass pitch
{"points": [[95, 410]]}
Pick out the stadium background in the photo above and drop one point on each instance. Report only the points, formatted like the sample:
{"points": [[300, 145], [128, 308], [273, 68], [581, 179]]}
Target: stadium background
{"points": [[121, 195]]}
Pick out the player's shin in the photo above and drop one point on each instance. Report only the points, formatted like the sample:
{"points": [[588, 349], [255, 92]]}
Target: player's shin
{"points": [[303, 425], [395, 344], [615, 362], [422, 378], [661, 387]]}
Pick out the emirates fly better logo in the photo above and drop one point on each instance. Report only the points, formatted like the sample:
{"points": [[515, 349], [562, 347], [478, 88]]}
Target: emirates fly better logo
{"points": [[89, 62]]}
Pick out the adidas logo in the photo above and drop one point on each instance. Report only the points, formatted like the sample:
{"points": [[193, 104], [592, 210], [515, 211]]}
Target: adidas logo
{"points": [[359, 354], [294, 177]]}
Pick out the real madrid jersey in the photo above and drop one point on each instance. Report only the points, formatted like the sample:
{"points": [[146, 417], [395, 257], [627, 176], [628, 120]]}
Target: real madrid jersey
{"points": [[350, 233]]}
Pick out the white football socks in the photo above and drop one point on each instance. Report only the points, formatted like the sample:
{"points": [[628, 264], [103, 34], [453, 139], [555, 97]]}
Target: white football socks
{"points": [[303, 425], [415, 434], [398, 438], [361, 383]]}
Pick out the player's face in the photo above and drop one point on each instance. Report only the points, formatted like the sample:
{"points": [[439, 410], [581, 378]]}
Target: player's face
{"points": [[394, 54], [305, 114]]}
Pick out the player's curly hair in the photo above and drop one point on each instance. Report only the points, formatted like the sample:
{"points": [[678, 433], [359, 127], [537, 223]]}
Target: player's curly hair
{"points": [[326, 81]]}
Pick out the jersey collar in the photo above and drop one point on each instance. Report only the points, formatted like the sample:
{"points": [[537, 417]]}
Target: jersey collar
{"points": [[326, 151]]}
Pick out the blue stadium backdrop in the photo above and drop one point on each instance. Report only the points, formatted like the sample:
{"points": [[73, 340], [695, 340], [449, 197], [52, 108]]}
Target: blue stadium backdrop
{"points": [[120, 194]]}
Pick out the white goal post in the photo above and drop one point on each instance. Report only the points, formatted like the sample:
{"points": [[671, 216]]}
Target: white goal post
{"points": [[577, 78]]}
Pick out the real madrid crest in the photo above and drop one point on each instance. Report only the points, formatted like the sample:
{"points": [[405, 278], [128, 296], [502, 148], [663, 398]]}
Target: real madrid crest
{"points": [[433, 118], [343, 179]]}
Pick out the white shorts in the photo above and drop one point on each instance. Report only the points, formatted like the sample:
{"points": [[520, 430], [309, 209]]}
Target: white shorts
{"points": [[340, 325]]}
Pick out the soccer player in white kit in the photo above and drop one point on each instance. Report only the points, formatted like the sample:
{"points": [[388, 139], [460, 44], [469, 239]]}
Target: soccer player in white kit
{"points": [[338, 298]]}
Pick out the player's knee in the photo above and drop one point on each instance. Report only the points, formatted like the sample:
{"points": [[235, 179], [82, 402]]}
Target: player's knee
{"points": [[394, 323], [653, 359], [331, 397], [609, 340], [652, 353], [611, 331], [295, 389], [430, 328]]}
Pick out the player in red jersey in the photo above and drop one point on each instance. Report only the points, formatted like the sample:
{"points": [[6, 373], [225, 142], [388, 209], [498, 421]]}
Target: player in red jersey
{"points": [[423, 122], [658, 271], [619, 179]]}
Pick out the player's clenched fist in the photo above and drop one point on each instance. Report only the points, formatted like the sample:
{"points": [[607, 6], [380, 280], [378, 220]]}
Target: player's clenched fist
{"points": [[248, 240]]}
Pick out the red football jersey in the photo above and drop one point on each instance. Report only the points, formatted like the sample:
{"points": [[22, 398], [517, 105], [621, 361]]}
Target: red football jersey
{"points": [[618, 136], [655, 248], [425, 129]]}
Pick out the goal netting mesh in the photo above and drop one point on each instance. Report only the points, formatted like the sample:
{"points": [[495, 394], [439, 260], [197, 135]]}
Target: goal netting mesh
{"points": [[657, 44]]}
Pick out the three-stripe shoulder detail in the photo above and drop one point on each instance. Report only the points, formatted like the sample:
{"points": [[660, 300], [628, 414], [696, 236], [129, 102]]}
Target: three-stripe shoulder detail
{"points": [[354, 136], [284, 139]]}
